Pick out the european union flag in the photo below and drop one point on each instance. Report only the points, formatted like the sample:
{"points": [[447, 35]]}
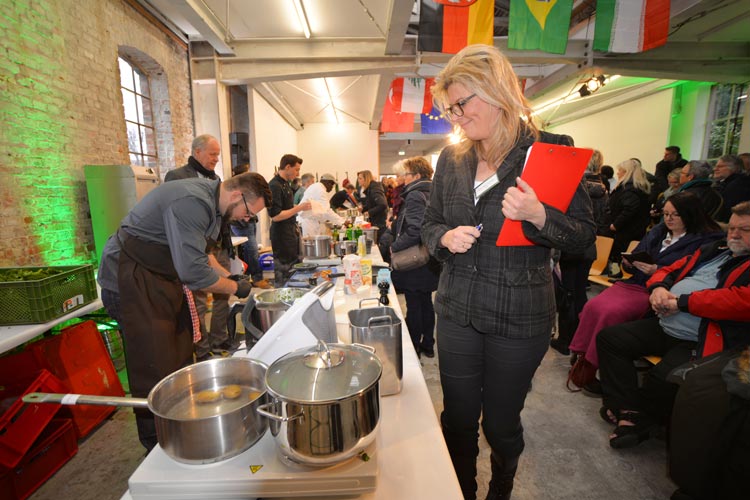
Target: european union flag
{"points": [[434, 123]]}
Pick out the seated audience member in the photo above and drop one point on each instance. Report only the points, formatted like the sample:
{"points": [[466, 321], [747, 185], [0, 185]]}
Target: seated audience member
{"points": [[629, 208], [672, 160], [703, 306], [685, 229], [745, 157], [695, 178], [730, 182], [709, 432], [673, 179], [574, 268]]}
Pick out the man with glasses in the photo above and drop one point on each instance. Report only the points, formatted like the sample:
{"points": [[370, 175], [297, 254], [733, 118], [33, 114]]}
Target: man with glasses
{"points": [[154, 262], [730, 182], [695, 178]]}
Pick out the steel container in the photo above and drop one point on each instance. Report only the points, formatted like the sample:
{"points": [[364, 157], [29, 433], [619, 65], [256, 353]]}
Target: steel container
{"points": [[380, 328], [344, 247], [316, 247], [188, 429], [271, 305], [325, 403]]}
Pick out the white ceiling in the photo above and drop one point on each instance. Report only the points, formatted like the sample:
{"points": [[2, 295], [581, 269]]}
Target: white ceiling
{"points": [[357, 47]]}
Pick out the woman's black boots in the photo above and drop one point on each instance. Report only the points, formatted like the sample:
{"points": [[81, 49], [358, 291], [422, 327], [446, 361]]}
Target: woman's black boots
{"points": [[503, 473]]}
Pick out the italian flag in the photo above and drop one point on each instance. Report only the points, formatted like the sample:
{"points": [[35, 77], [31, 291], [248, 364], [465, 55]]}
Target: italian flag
{"points": [[450, 25], [631, 25], [539, 24]]}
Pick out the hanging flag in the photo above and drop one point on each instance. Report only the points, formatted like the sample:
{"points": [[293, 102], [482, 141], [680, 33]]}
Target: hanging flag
{"points": [[434, 123], [631, 25], [412, 95], [393, 119], [540, 24], [450, 25]]}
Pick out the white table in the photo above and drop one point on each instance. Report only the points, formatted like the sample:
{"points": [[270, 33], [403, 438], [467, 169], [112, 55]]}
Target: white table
{"points": [[412, 457], [13, 336]]}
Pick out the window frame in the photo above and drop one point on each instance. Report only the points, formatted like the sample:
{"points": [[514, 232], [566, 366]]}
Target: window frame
{"points": [[148, 155], [727, 127]]}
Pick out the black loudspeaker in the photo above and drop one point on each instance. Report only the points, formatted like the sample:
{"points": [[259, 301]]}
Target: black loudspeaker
{"points": [[239, 143]]}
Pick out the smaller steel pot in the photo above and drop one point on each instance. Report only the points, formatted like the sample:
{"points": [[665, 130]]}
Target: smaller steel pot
{"points": [[326, 402], [344, 247], [316, 247]]}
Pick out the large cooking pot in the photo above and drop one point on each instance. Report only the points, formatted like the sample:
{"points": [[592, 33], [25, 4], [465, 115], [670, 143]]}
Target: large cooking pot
{"points": [[200, 417], [271, 305], [326, 402], [344, 247], [316, 247]]}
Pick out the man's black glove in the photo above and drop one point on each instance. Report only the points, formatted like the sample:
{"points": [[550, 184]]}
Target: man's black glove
{"points": [[244, 288], [239, 277]]}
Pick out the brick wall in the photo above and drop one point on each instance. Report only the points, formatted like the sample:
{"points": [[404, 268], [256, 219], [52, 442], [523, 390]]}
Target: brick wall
{"points": [[61, 109]]}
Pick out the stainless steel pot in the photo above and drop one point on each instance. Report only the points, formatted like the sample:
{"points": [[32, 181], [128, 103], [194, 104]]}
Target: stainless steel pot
{"points": [[271, 305], [189, 428], [380, 328], [371, 233], [344, 247], [316, 247], [326, 402]]}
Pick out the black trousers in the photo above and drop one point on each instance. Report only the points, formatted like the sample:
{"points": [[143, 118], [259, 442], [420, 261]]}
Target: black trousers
{"points": [[420, 318], [618, 346], [487, 375]]}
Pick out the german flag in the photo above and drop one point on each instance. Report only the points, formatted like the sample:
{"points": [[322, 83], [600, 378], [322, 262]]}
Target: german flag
{"points": [[450, 25]]}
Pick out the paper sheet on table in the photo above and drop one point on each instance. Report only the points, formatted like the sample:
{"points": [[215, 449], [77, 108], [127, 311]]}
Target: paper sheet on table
{"points": [[554, 172]]}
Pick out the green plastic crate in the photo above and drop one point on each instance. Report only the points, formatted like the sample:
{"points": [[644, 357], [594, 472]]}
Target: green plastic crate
{"points": [[40, 301]]}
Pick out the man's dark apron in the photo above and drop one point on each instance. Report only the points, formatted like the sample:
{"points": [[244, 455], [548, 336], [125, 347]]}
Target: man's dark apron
{"points": [[156, 325]]}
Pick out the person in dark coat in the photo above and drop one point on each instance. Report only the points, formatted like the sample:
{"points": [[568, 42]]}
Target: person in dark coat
{"points": [[416, 284], [372, 198], [629, 207], [672, 160], [731, 183], [495, 305], [695, 178]]}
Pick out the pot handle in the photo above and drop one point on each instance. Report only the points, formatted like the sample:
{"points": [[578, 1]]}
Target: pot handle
{"points": [[83, 399], [385, 319], [365, 347], [263, 410], [369, 298]]}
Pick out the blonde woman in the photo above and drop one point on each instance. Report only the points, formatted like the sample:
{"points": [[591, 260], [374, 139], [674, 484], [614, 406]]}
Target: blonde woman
{"points": [[495, 305], [629, 208]]}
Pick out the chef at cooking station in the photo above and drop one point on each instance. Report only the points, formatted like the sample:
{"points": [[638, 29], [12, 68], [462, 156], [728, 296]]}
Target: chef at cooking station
{"points": [[319, 195], [151, 265]]}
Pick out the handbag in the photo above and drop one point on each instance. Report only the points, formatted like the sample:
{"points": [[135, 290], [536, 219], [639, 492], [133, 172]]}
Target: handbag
{"points": [[410, 258], [581, 374]]}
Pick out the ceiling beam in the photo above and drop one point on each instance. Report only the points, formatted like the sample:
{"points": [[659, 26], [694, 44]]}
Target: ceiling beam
{"points": [[278, 103], [398, 22], [206, 23], [384, 84]]}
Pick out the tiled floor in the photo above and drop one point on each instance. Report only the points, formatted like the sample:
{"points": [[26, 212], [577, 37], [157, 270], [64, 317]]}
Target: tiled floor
{"points": [[567, 455]]}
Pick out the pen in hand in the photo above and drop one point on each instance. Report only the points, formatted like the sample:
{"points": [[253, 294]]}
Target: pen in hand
{"points": [[480, 227]]}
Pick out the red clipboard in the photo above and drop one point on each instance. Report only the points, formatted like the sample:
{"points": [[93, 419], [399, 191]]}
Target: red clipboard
{"points": [[554, 173]]}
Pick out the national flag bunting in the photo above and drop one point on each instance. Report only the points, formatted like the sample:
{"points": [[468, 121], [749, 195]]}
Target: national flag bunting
{"points": [[450, 25], [631, 25], [394, 120], [434, 123], [540, 24], [411, 95]]}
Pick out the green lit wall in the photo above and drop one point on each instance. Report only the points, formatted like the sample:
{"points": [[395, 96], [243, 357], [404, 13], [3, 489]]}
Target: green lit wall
{"points": [[689, 111]]}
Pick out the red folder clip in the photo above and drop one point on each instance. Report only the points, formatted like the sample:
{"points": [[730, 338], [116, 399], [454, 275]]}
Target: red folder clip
{"points": [[554, 173]]}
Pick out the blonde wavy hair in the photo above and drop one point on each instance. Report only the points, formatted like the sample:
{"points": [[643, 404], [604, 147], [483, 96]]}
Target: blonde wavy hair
{"points": [[485, 71], [634, 173]]}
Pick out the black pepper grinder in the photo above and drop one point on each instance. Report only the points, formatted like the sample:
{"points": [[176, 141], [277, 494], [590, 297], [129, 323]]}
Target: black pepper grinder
{"points": [[384, 286]]}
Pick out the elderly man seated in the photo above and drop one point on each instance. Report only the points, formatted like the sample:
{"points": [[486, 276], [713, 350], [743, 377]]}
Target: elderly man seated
{"points": [[702, 302]]}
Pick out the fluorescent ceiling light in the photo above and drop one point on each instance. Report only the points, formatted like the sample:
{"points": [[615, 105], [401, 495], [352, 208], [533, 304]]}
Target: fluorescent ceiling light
{"points": [[302, 15]]}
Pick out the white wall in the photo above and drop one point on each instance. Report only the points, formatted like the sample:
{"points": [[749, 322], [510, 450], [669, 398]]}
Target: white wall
{"points": [[206, 110], [637, 129], [271, 137], [340, 150]]}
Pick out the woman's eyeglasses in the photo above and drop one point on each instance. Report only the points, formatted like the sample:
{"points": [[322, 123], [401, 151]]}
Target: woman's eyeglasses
{"points": [[671, 215], [456, 110]]}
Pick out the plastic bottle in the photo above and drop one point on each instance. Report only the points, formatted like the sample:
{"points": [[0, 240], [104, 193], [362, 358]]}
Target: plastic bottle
{"points": [[361, 246], [365, 264]]}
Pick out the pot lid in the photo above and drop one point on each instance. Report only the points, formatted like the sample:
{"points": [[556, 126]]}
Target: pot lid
{"points": [[323, 373]]}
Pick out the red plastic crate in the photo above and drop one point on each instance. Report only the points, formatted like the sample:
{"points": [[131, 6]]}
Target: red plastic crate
{"points": [[22, 423], [80, 359], [55, 446]]}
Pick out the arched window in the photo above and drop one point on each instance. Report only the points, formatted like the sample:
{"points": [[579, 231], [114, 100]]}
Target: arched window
{"points": [[139, 120]]}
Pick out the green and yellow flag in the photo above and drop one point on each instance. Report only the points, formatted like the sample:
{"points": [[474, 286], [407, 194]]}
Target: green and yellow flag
{"points": [[539, 24]]}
